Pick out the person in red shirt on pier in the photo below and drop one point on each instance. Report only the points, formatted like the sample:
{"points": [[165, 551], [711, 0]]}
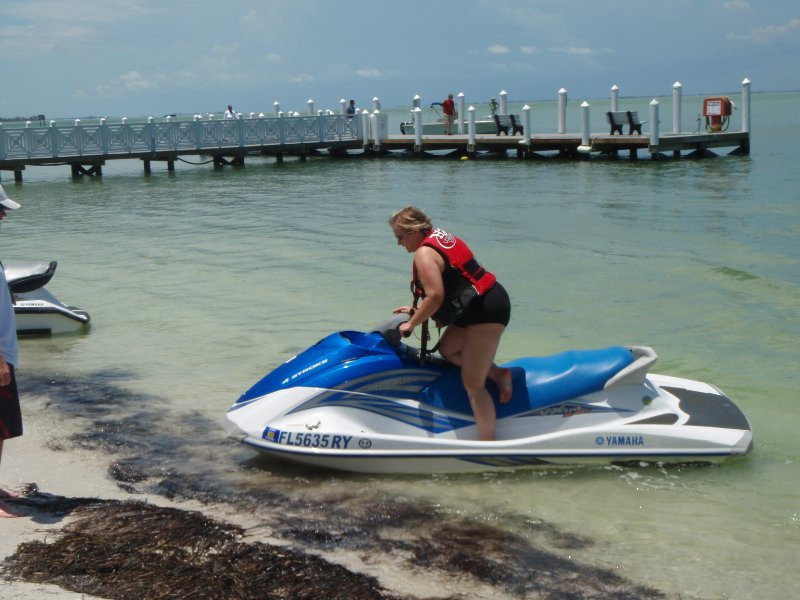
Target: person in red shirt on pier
{"points": [[449, 110]]}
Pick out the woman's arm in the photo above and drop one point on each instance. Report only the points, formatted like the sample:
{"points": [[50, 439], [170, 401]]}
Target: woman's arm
{"points": [[430, 266]]}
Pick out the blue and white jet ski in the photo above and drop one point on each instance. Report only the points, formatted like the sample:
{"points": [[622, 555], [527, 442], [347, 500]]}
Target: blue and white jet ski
{"points": [[368, 402]]}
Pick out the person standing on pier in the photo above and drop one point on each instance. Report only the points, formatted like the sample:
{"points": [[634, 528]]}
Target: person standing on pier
{"points": [[230, 113], [351, 110], [451, 287], [449, 110], [10, 414]]}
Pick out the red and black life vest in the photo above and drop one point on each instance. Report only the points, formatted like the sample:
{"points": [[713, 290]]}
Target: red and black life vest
{"points": [[463, 276]]}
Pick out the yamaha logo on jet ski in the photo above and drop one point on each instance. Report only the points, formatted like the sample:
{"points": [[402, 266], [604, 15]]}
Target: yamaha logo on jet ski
{"points": [[422, 421], [620, 440]]}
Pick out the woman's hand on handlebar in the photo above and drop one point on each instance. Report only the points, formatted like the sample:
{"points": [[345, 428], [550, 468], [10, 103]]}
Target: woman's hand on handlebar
{"points": [[405, 329]]}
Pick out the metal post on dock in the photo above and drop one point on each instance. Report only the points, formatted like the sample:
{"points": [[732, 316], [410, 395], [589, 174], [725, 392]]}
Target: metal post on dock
{"points": [[503, 102], [460, 113], [562, 110], [152, 133], [310, 105], [379, 132], [676, 106], [415, 101], [365, 129], [276, 108], [614, 98], [526, 125], [471, 129], [104, 138], [746, 105], [416, 114], [654, 134], [54, 138], [342, 106], [376, 103], [585, 147]]}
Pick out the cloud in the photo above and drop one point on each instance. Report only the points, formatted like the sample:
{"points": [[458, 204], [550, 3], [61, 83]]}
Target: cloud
{"points": [[763, 35], [84, 11], [218, 49], [737, 5], [132, 81], [369, 73], [529, 49], [498, 49], [302, 78], [579, 51]]}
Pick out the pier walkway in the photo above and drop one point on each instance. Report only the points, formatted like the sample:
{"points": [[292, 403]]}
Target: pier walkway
{"points": [[571, 145]]}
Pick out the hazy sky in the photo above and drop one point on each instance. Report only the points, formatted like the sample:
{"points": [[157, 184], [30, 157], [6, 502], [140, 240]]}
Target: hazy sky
{"points": [[66, 58]]}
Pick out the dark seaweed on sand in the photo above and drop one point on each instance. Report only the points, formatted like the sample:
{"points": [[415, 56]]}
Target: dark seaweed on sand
{"points": [[141, 551]]}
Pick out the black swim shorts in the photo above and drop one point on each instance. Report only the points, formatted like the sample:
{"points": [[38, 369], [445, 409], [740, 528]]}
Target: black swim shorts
{"points": [[493, 307], [10, 414]]}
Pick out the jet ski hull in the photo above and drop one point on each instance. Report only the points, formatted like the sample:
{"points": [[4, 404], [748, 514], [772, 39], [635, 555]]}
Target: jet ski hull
{"points": [[37, 311], [41, 313], [340, 405]]}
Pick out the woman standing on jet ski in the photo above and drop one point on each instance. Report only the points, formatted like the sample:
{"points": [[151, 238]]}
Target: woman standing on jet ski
{"points": [[451, 287]]}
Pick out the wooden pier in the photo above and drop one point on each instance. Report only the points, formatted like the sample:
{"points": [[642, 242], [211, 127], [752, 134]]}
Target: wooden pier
{"points": [[85, 147]]}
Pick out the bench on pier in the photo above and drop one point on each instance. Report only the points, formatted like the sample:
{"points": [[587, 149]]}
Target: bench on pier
{"points": [[617, 119], [516, 126], [508, 122]]}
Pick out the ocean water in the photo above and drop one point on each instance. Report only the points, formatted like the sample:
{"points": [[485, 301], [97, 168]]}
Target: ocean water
{"points": [[201, 280]]}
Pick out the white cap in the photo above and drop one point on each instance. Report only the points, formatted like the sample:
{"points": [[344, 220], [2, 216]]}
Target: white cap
{"points": [[5, 202]]}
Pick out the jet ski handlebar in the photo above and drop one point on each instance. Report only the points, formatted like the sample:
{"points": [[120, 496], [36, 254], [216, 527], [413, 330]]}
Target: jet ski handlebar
{"points": [[388, 328]]}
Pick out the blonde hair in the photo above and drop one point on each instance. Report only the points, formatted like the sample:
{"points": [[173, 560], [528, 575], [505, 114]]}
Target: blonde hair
{"points": [[411, 218]]}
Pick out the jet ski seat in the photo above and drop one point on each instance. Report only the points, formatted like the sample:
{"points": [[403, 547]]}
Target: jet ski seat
{"points": [[539, 381], [26, 277], [553, 379]]}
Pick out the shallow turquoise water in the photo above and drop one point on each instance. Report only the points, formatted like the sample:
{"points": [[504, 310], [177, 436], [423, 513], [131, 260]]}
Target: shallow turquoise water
{"points": [[201, 280]]}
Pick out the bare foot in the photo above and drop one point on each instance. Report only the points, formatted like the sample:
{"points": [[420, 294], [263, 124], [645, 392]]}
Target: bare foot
{"points": [[506, 386], [6, 493], [7, 512]]}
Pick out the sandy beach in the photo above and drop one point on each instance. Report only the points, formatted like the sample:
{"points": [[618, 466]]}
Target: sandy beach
{"points": [[27, 460], [90, 529], [64, 488]]}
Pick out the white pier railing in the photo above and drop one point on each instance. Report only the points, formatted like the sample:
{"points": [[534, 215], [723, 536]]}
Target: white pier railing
{"points": [[125, 139]]}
